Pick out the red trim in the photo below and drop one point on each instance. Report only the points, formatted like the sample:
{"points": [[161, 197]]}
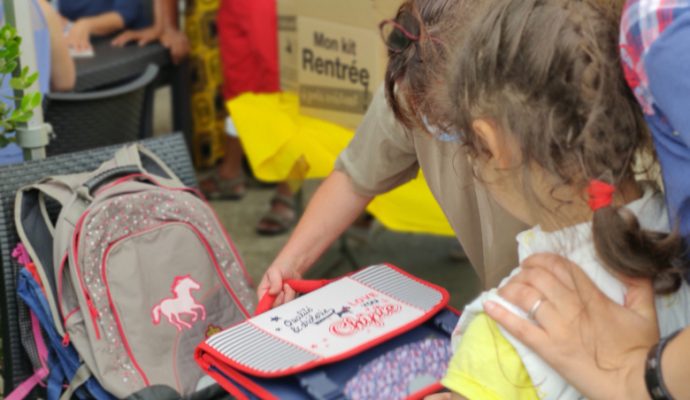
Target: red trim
{"points": [[82, 286], [431, 389], [71, 313], [234, 375], [453, 310], [59, 288], [219, 359]]}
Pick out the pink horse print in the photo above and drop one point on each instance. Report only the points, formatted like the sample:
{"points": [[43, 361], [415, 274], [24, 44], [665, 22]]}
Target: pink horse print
{"points": [[181, 303]]}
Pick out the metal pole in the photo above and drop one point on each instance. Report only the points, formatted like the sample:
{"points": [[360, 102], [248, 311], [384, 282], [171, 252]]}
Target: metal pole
{"points": [[32, 137]]}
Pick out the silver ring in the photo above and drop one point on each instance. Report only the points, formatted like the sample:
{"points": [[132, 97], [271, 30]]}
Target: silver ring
{"points": [[533, 311]]}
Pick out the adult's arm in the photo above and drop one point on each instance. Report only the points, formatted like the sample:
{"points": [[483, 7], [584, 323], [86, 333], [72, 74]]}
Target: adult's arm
{"points": [[380, 157], [172, 37], [599, 346], [62, 70], [334, 206], [165, 28], [103, 24]]}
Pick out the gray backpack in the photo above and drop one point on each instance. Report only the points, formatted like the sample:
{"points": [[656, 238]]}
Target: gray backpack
{"points": [[137, 270]]}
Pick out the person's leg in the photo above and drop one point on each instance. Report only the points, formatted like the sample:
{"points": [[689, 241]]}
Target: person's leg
{"points": [[231, 165], [227, 180], [282, 214]]}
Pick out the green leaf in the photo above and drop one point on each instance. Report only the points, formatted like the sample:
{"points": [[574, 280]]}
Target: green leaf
{"points": [[36, 100], [25, 103], [25, 116], [16, 83], [12, 65], [9, 61], [31, 79]]}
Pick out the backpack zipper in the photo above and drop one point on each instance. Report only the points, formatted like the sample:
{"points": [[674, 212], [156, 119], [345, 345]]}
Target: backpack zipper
{"points": [[75, 255]]}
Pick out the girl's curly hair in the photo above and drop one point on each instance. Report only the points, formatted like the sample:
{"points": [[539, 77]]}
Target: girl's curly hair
{"points": [[548, 72]]}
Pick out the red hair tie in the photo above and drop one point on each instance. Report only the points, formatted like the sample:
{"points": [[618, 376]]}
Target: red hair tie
{"points": [[600, 194]]}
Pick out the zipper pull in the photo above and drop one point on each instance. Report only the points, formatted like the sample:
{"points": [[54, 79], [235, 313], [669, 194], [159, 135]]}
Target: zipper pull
{"points": [[65, 340], [94, 316]]}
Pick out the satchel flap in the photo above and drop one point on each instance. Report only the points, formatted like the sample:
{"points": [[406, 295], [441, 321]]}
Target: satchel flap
{"points": [[335, 322]]}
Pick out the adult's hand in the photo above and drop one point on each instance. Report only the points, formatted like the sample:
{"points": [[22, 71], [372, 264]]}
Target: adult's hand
{"points": [[273, 282], [78, 36], [141, 36], [177, 42], [595, 344]]}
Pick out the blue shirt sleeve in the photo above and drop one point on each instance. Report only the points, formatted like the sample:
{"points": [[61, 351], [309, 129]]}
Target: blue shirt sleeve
{"points": [[667, 65], [128, 9]]}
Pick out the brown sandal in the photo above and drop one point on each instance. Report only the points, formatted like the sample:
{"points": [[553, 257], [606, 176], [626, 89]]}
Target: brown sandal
{"points": [[224, 189], [279, 222]]}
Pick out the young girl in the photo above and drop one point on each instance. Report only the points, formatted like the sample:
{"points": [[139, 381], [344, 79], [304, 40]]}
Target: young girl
{"points": [[553, 132]]}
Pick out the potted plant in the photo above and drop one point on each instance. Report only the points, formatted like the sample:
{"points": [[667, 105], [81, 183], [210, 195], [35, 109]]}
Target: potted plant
{"points": [[10, 116]]}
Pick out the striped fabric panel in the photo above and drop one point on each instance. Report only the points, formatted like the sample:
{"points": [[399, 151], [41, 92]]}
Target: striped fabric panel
{"points": [[399, 286], [256, 349]]}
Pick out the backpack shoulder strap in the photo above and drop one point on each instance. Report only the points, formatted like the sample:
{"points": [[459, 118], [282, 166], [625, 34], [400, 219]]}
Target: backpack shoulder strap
{"points": [[131, 159], [35, 230], [80, 377], [155, 166]]}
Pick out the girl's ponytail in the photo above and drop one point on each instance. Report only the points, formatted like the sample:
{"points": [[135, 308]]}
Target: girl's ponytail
{"points": [[626, 248]]}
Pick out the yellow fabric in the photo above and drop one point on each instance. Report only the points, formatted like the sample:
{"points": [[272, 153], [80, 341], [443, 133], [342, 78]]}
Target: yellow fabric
{"points": [[275, 137], [485, 366]]}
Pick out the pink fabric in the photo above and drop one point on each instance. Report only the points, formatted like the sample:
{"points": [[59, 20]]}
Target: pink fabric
{"points": [[23, 390]]}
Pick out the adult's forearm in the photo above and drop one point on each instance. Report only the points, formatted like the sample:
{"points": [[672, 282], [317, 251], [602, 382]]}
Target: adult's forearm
{"points": [[169, 14], [158, 13], [332, 209], [62, 72], [103, 24]]}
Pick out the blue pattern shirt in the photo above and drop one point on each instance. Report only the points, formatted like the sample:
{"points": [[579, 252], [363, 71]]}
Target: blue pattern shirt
{"points": [[655, 52]]}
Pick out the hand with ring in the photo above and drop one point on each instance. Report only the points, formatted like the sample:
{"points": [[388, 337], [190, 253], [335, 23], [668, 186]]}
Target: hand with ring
{"points": [[595, 344], [533, 310]]}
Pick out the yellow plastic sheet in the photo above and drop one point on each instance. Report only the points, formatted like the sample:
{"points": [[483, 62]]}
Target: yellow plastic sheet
{"points": [[276, 138]]}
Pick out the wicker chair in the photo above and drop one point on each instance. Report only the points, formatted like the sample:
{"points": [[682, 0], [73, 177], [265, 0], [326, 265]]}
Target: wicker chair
{"points": [[171, 149], [105, 117]]}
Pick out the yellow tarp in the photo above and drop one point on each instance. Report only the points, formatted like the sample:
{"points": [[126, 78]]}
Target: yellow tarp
{"points": [[276, 137]]}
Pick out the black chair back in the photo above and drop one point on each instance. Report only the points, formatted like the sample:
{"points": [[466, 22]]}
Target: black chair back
{"points": [[105, 117]]}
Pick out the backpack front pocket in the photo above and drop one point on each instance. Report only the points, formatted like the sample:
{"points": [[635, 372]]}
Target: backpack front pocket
{"points": [[166, 293]]}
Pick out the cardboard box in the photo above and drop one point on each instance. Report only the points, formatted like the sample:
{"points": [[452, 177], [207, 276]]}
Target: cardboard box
{"points": [[341, 58], [287, 44]]}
